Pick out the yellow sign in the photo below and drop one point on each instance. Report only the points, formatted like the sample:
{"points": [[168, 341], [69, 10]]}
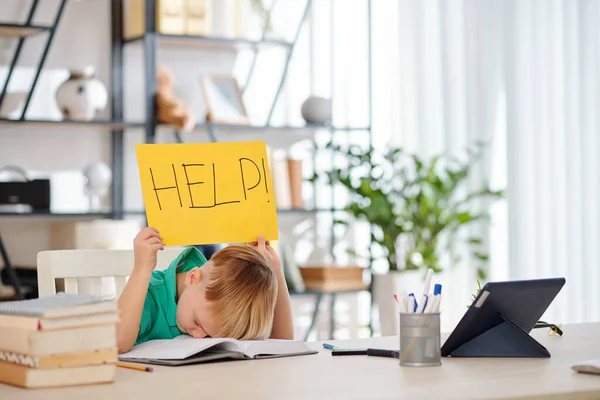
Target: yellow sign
{"points": [[205, 193]]}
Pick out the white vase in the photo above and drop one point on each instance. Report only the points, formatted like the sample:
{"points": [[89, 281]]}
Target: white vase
{"points": [[316, 110], [384, 288], [81, 96], [98, 179], [223, 18]]}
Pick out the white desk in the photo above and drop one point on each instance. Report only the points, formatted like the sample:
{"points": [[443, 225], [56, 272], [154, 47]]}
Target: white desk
{"points": [[359, 377]]}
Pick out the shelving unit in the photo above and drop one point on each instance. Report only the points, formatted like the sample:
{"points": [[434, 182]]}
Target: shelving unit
{"points": [[41, 123], [150, 41]]}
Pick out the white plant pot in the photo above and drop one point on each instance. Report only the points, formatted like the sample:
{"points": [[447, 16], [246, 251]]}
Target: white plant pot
{"points": [[81, 96], [384, 288]]}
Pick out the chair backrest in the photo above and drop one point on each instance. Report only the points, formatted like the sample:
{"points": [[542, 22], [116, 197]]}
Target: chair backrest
{"points": [[95, 272]]}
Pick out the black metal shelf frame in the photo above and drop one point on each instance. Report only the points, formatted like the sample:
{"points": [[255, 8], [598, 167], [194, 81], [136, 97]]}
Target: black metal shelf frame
{"points": [[26, 30], [150, 40]]}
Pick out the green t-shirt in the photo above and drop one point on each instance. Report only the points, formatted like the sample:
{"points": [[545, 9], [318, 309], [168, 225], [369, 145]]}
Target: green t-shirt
{"points": [[160, 308]]}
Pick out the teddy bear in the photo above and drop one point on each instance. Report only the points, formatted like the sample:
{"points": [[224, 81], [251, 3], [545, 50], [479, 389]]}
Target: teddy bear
{"points": [[170, 109]]}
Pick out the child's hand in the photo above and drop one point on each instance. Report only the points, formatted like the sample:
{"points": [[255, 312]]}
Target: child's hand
{"points": [[264, 247], [145, 246]]}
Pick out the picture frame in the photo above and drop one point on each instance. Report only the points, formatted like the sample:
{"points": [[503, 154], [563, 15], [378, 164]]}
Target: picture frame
{"points": [[224, 100]]}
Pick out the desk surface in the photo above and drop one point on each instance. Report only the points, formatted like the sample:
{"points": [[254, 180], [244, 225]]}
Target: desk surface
{"points": [[359, 377]]}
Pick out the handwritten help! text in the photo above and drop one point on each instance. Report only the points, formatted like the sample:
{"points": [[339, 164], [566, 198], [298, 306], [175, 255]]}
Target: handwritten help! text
{"points": [[245, 177]]}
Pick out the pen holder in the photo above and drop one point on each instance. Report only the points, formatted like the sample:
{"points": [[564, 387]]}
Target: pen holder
{"points": [[420, 340]]}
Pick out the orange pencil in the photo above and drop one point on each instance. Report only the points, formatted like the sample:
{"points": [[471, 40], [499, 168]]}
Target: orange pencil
{"points": [[134, 366]]}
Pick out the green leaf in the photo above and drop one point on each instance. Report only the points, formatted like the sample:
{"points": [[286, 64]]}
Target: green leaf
{"points": [[482, 257], [475, 241], [340, 222], [313, 178], [481, 274], [464, 217]]}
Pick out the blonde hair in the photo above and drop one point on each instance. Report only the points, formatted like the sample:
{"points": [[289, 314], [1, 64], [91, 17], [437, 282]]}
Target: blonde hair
{"points": [[243, 291]]}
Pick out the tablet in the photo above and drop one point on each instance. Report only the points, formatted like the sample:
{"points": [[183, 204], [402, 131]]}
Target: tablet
{"points": [[498, 322]]}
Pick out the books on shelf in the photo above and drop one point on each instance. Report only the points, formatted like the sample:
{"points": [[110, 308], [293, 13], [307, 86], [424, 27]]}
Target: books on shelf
{"points": [[62, 340], [287, 180], [185, 350]]}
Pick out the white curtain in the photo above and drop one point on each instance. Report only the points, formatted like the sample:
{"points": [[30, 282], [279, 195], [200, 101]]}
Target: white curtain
{"points": [[438, 89], [521, 74], [553, 99]]}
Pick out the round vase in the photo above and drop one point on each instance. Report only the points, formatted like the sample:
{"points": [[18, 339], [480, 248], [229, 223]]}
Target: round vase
{"points": [[316, 110], [81, 95]]}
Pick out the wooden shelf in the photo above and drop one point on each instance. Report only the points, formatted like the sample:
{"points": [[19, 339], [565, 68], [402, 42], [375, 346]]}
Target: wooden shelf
{"points": [[211, 42], [49, 123], [49, 214], [16, 30], [308, 127]]}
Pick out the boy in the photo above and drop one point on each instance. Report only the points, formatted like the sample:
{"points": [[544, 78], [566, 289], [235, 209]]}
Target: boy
{"points": [[241, 293]]}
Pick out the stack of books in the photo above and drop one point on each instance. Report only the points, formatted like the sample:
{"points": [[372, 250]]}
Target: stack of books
{"points": [[63, 340]]}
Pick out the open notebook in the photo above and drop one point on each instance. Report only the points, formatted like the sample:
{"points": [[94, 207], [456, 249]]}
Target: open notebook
{"points": [[186, 350]]}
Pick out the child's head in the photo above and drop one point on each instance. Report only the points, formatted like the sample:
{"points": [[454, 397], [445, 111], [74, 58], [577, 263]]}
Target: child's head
{"points": [[232, 295]]}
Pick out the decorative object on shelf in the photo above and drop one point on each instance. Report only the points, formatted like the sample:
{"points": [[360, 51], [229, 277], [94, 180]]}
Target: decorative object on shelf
{"points": [[296, 181], [224, 100], [316, 110], [20, 194], [170, 109], [179, 17], [280, 178], [198, 19], [12, 103], [97, 186], [223, 18], [81, 95], [417, 209]]}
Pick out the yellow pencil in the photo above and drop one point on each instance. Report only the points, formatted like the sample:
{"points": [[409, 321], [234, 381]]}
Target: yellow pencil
{"points": [[134, 366]]}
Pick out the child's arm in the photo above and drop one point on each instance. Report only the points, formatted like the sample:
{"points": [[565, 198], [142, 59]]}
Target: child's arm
{"points": [[283, 323], [131, 302]]}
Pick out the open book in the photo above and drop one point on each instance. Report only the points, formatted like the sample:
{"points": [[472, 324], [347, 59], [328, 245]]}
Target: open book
{"points": [[186, 350]]}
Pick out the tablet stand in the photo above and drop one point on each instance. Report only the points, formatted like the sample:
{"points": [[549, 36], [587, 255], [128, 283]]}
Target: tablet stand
{"points": [[504, 340]]}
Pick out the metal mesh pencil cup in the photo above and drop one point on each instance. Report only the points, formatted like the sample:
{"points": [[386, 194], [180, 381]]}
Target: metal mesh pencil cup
{"points": [[420, 340]]}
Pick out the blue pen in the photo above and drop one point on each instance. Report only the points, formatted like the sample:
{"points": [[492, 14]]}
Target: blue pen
{"points": [[414, 302], [328, 346], [425, 304]]}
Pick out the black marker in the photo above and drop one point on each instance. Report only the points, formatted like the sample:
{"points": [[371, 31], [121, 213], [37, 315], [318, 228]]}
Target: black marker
{"points": [[349, 352], [383, 353]]}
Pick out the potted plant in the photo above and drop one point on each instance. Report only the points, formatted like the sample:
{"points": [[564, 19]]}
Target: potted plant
{"points": [[416, 209]]}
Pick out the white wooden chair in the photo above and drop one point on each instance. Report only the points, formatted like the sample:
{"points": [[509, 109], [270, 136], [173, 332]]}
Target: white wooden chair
{"points": [[96, 272]]}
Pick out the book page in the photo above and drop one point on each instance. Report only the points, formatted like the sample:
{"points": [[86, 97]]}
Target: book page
{"points": [[272, 347], [179, 348]]}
